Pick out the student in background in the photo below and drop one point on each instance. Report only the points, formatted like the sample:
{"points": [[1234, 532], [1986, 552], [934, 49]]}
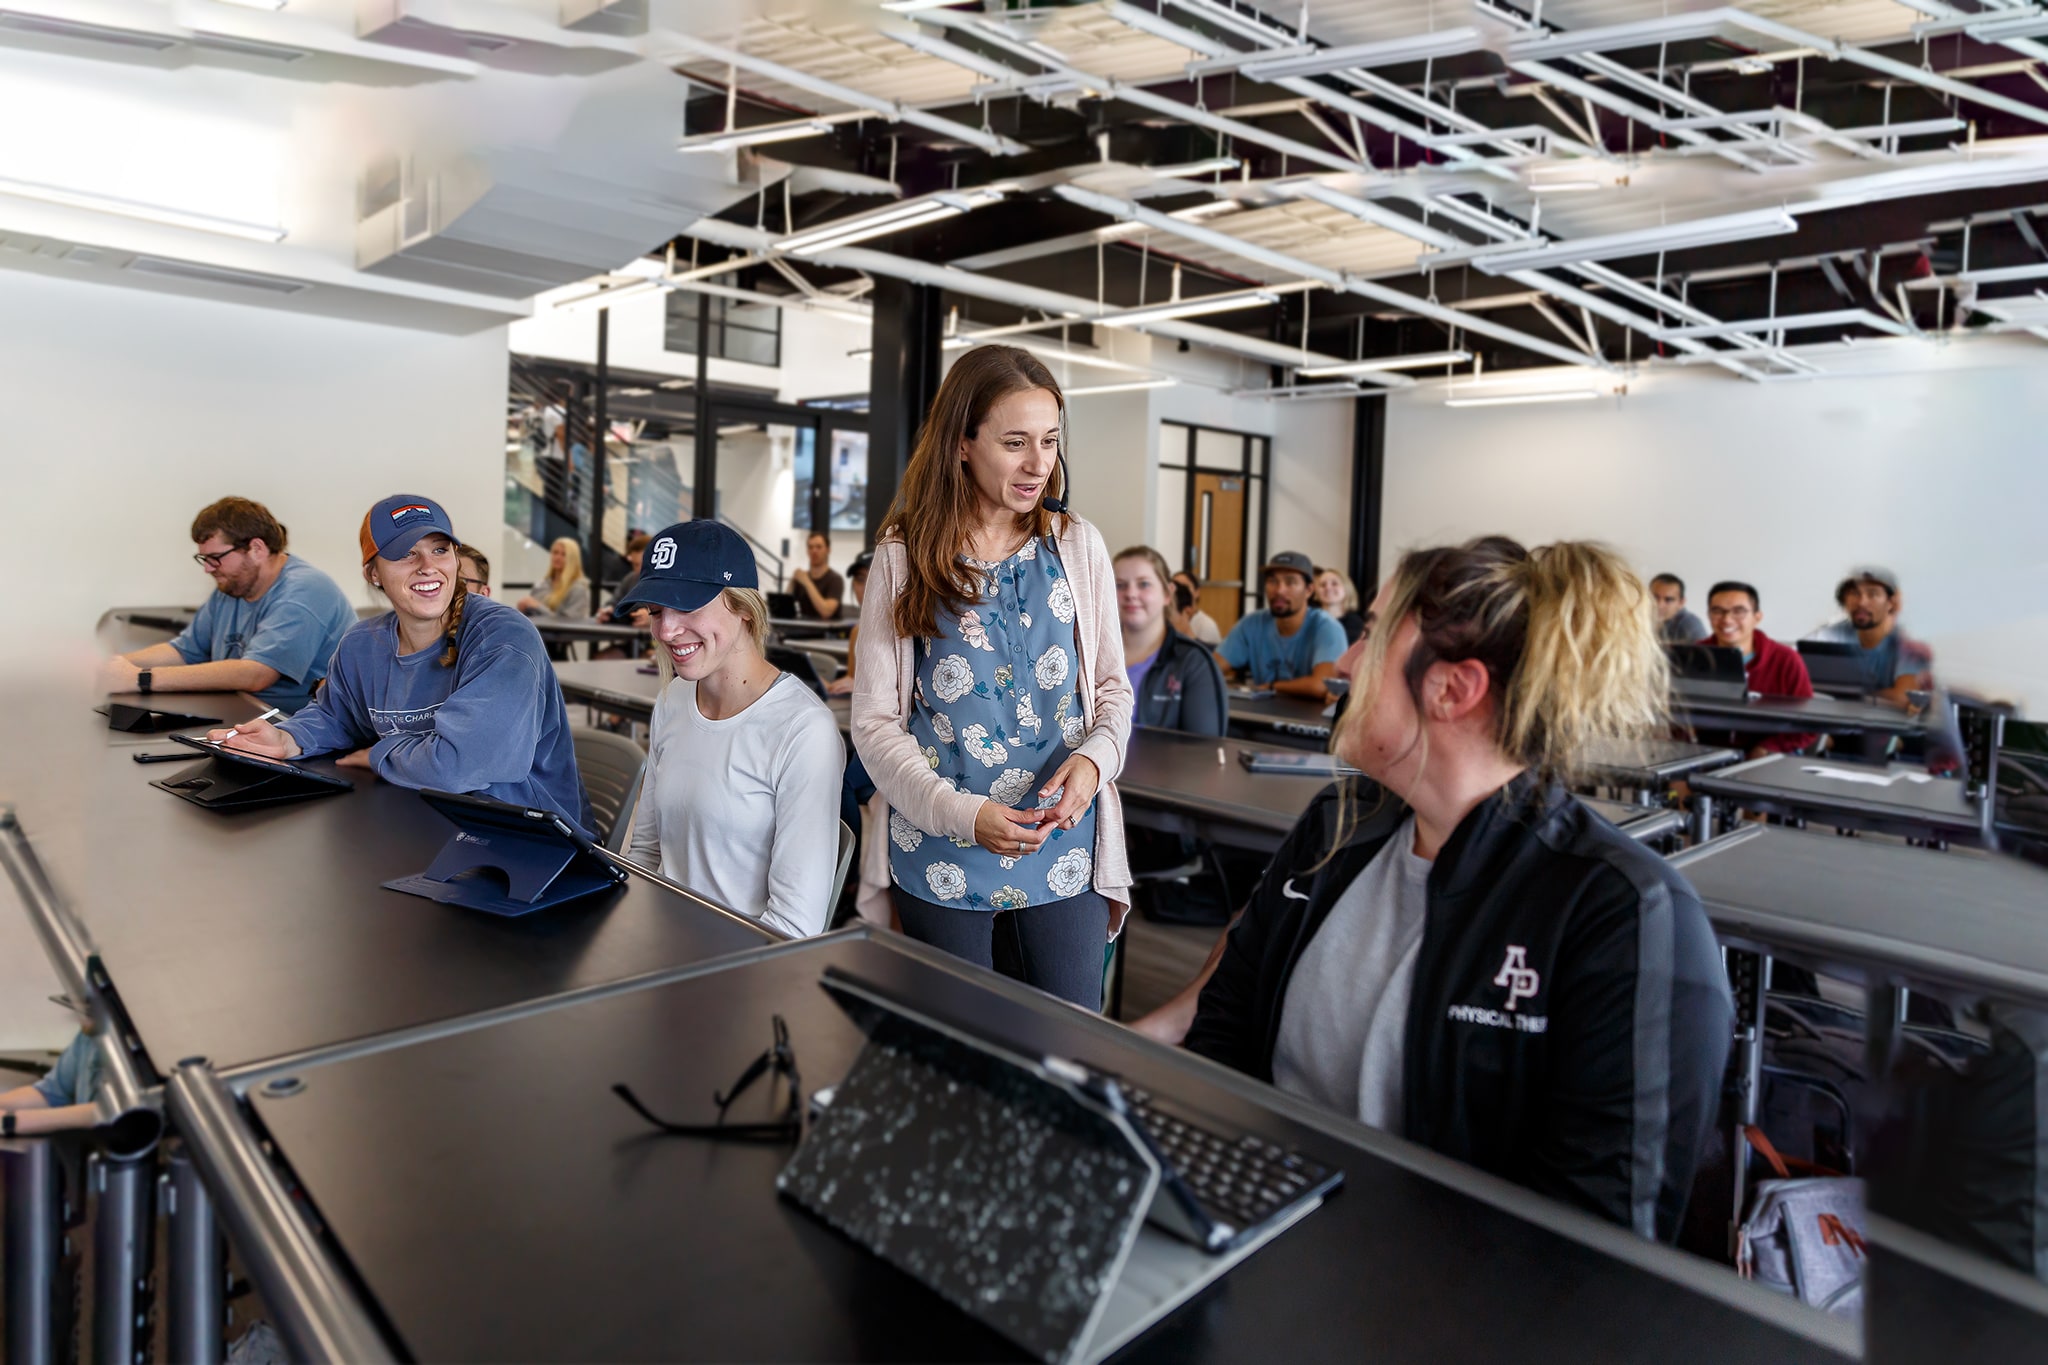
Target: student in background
{"points": [[1455, 949], [1175, 680], [269, 627], [857, 575], [744, 765], [1893, 664], [1291, 646], [1189, 618], [636, 552], [817, 589], [1772, 669], [60, 1102], [476, 570], [449, 690], [565, 594], [1675, 625], [991, 706], [1336, 595]]}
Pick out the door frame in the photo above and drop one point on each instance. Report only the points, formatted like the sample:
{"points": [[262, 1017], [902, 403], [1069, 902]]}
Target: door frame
{"points": [[1251, 598]]}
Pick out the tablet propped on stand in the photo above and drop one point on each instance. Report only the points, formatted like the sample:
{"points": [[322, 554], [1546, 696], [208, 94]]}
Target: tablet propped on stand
{"points": [[234, 779], [508, 859], [146, 720]]}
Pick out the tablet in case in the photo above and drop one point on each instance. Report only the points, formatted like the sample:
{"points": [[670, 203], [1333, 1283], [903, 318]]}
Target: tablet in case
{"points": [[146, 720], [230, 779], [505, 859]]}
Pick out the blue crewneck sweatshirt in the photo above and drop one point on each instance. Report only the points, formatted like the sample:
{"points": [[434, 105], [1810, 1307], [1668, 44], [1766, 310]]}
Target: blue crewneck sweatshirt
{"points": [[492, 725]]}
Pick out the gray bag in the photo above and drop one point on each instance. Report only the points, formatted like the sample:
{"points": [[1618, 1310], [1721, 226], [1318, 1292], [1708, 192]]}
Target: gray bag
{"points": [[1804, 1236]]}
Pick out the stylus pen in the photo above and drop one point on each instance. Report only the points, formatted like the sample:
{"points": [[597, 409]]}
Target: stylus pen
{"points": [[273, 711]]}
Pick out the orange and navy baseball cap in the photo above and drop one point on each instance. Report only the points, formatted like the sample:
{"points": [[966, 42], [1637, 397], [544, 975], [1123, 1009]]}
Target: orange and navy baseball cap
{"points": [[401, 520]]}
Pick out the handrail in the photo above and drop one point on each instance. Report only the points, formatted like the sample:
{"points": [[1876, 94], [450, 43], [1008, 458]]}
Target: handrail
{"points": [[124, 1105], [758, 548]]}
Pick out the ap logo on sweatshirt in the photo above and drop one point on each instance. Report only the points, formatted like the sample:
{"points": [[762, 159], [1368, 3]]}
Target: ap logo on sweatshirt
{"points": [[1517, 976]]}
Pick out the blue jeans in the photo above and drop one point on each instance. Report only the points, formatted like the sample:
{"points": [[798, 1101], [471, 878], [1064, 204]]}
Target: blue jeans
{"points": [[1061, 942]]}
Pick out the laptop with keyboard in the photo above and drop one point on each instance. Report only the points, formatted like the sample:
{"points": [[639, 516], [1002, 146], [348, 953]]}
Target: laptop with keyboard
{"points": [[1213, 1193]]}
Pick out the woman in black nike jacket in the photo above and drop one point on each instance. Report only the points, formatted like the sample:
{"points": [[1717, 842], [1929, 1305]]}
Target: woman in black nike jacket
{"points": [[1454, 948]]}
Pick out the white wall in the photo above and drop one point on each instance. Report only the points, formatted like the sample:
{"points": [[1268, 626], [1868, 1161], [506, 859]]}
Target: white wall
{"points": [[1926, 460], [128, 411]]}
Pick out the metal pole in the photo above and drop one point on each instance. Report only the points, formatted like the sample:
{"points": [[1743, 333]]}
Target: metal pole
{"points": [[197, 1268], [594, 534], [123, 1236], [706, 477], [33, 1233], [1702, 817], [1749, 974], [315, 1306]]}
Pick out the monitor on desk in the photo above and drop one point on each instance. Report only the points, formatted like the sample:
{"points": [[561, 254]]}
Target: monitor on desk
{"points": [[782, 606], [1708, 671], [1834, 666]]}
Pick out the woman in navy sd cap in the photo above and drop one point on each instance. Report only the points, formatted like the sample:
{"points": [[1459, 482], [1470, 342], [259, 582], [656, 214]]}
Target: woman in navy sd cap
{"points": [[451, 691], [741, 797]]}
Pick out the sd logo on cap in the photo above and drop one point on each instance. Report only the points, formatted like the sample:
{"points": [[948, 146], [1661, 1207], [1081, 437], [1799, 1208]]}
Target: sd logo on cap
{"points": [[690, 563]]}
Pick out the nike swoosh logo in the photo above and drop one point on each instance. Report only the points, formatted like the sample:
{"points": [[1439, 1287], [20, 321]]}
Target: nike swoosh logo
{"points": [[1287, 890]]}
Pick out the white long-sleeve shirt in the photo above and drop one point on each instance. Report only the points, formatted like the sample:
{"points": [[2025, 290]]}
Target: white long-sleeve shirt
{"points": [[746, 810]]}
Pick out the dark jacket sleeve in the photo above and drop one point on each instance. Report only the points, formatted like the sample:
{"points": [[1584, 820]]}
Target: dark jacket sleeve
{"points": [[1233, 1016], [1204, 704], [1639, 1033]]}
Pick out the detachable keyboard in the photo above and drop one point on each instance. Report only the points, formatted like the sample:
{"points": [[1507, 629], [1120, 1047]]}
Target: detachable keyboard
{"points": [[1217, 1188]]}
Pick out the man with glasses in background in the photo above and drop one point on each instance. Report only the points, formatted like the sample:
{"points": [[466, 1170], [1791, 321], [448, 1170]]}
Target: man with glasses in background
{"points": [[1735, 619], [476, 570], [269, 628]]}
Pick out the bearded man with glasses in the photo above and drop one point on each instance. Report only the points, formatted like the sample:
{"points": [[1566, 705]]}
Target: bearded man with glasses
{"points": [[269, 627]]}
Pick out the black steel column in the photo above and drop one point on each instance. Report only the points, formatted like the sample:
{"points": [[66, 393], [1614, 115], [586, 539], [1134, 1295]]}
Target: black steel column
{"points": [[593, 535], [123, 1238], [705, 501], [197, 1268], [903, 378], [1368, 481], [38, 1323]]}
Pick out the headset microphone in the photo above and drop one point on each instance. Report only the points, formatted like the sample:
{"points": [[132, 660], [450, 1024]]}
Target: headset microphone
{"points": [[1060, 504]]}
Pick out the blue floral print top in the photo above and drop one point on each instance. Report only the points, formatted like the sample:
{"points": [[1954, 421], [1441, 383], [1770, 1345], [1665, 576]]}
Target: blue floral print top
{"points": [[997, 709]]}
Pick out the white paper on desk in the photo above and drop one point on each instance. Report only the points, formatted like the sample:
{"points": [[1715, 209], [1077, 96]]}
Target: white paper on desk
{"points": [[1872, 779]]}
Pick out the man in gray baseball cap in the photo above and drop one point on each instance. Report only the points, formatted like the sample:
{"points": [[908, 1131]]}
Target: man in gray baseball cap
{"points": [[1291, 646], [1893, 664]]}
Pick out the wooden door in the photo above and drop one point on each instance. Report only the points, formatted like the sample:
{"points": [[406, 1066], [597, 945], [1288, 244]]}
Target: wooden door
{"points": [[1218, 545]]}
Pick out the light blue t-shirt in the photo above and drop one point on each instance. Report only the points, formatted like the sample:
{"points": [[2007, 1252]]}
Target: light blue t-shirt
{"points": [[294, 628], [997, 710], [492, 725], [1255, 646], [76, 1077]]}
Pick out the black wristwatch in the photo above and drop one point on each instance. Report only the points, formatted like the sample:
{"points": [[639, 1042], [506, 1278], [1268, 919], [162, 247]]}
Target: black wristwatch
{"points": [[7, 1124], [143, 681]]}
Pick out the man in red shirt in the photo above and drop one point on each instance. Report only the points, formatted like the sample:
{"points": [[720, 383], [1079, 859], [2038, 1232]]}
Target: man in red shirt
{"points": [[1734, 615]]}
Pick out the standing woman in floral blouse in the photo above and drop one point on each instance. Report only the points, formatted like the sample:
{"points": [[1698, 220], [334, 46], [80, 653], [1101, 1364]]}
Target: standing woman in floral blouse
{"points": [[991, 705]]}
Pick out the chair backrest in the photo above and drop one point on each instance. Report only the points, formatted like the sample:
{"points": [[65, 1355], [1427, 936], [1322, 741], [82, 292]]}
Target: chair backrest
{"points": [[802, 665], [839, 869], [611, 766]]}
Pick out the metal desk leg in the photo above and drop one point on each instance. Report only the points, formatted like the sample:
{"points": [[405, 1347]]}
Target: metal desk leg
{"points": [[198, 1269], [1702, 817], [30, 1195], [123, 1236], [1749, 977]]}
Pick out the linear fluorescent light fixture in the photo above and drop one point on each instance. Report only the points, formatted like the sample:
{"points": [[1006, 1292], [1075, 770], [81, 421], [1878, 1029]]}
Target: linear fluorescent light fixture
{"points": [[913, 6], [1499, 400], [895, 218], [1563, 186], [129, 208], [2005, 273], [1186, 308], [1131, 387], [1734, 227], [1420, 47], [754, 137], [1186, 168], [256, 4], [1791, 322], [605, 298], [1387, 362]]}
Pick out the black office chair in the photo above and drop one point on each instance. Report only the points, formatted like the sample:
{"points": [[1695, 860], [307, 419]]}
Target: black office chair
{"points": [[795, 661], [612, 767]]}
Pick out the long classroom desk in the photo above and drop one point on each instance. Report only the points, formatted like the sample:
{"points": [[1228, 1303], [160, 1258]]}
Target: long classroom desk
{"points": [[1792, 716], [482, 1217], [1907, 802], [1171, 781]]}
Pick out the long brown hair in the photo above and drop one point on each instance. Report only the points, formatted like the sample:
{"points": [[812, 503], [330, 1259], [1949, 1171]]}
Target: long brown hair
{"points": [[935, 505]]}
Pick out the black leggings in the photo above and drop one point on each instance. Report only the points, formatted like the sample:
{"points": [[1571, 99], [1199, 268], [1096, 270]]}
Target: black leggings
{"points": [[1062, 942]]}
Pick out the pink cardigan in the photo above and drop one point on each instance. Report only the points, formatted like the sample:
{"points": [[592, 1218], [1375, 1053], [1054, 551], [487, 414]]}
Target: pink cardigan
{"points": [[886, 669]]}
